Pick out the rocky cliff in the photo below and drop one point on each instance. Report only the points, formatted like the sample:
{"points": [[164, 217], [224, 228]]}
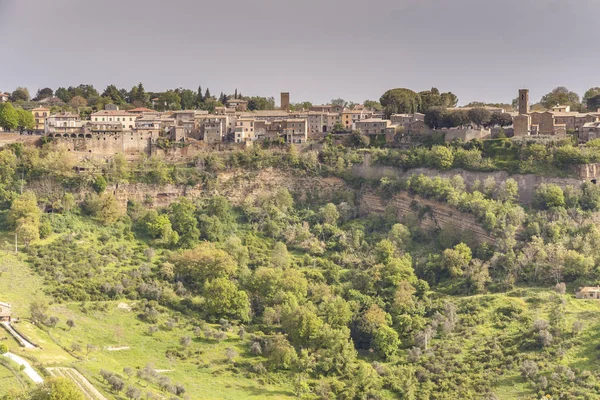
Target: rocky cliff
{"points": [[240, 185], [528, 183]]}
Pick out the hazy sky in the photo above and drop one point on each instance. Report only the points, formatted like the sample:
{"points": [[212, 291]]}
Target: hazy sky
{"points": [[315, 49]]}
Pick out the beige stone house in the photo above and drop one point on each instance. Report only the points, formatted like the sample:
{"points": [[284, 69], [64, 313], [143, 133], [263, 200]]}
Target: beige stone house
{"points": [[588, 292]]}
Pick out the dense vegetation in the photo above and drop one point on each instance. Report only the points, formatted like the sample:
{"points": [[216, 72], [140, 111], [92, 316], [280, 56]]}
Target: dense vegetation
{"points": [[332, 302]]}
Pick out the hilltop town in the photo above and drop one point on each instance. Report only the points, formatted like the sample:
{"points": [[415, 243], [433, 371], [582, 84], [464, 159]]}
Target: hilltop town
{"points": [[146, 123]]}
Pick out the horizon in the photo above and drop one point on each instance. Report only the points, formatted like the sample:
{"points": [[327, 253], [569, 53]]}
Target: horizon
{"points": [[347, 52]]}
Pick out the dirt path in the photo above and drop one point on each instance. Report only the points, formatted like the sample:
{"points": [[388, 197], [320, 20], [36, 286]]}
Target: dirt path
{"points": [[29, 371], [90, 392]]}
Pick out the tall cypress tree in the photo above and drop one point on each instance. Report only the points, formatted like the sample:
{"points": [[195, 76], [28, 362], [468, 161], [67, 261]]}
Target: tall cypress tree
{"points": [[207, 94], [199, 98], [235, 95]]}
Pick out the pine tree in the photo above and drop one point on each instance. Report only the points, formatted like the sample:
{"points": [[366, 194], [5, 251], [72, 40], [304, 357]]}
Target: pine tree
{"points": [[235, 96], [141, 93], [207, 94]]}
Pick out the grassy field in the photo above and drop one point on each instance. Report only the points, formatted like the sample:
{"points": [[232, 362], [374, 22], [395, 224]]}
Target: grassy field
{"points": [[206, 372], [203, 367]]}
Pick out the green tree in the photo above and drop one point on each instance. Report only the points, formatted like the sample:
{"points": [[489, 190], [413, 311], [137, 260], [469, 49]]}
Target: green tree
{"points": [[184, 222], [400, 101], [480, 116], [20, 94], [456, 260], [222, 298], [24, 209], [329, 214], [26, 121], [435, 117], [199, 97], [549, 196], [373, 105], [280, 258], [103, 208], [63, 94], [386, 341], [57, 389], [169, 100], [501, 119], [203, 262], [441, 157], [43, 94], [188, 98], [9, 117], [114, 94], [560, 96]]}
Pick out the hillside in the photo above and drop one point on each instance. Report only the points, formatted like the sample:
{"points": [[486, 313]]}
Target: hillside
{"points": [[277, 273]]}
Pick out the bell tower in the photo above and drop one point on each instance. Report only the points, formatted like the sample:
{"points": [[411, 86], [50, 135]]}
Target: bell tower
{"points": [[523, 101]]}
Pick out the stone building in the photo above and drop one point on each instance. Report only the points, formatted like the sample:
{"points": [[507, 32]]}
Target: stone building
{"points": [[125, 118], [64, 123], [39, 115], [285, 101]]}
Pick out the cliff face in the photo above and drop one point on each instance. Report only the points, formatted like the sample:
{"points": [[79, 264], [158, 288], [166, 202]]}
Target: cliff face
{"points": [[239, 186], [528, 183], [438, 216]]}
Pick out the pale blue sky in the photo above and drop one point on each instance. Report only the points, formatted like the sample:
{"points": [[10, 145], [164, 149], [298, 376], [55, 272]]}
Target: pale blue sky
{"points": [[316, 49]]}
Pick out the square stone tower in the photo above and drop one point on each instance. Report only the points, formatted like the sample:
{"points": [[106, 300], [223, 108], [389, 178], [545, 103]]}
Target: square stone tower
{"points": [[285, 101], [523, 101]]}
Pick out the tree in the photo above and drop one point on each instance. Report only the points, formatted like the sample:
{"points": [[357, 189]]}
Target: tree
{"points": [[356, 140], [114, 94], [43, 94], [203, 262], [78, 102], [24, 211], [400, 101], [188, 98], [433, 98], [280, 258], [441, 157], [339, 102], [9, 117], [207, 95], [169, 100], [457, 259], [38, 310], [199, 97], [480, 116], [104, 207], [63, 94], [20, 94], [386, 341], [133, 393], [26, 121], [329, 214], [435, 117], [70, 324], [501, 119], [184, 222], [223, 299], [373, 105], [593, 103], [549, 196], [57, 389], [560, 96]]}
